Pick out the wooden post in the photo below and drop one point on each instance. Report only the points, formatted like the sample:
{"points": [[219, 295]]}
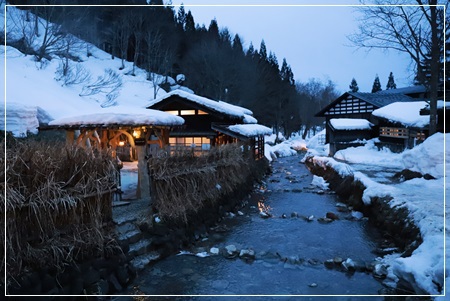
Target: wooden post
{"points": [[143, 187], [70, 136]]}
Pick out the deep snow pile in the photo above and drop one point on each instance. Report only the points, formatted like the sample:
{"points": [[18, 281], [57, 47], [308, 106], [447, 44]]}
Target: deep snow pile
{"points": [[424, 199], [370, 154], [286, 148], [21, 119]]}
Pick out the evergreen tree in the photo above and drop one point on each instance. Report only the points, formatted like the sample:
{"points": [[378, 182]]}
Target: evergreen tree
{"points": [[237, 44], [213, 28], [263, 51], [273, 61], [181, 16], [250, 50], [376, 85], [189, 25], [286, 74], [354, 86], [391, 83]]}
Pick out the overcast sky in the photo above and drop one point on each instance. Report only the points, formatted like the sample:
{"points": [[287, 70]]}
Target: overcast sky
{"points": [[313, 39]]}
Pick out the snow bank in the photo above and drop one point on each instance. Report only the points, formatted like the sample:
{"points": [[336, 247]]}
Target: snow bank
{"points": [[286, 148], [370, 154], [428, 157], [406, 113], [424, 200], [316, 146], [20, 119], [320, 182], [279, 150]]}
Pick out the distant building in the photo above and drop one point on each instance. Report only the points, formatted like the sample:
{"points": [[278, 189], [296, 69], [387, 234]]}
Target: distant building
{"points": [[354, 106]]}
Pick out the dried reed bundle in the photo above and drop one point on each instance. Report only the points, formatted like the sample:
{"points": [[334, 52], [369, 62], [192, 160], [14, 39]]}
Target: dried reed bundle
{"points": [[183, 183], [56, 197]]}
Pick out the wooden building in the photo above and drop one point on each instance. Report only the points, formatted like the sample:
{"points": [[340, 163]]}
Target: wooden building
{"points": [[400, 125], [343, 131], [355, 105], [207, 122]]}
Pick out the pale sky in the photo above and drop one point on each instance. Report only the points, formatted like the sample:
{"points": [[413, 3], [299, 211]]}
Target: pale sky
{"points": [[313, 39]]}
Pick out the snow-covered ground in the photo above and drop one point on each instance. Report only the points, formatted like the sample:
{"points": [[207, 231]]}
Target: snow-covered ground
{"points": [[424, 199], [35, 92]]}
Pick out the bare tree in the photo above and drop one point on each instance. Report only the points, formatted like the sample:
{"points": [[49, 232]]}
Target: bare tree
{"points": [[158, 59], [414, 30], [109, 84], [138, 29], [20, 30], [122, 34]]}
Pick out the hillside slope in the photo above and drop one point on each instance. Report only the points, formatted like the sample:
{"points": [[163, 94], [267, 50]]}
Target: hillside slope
{"points": [[33, 93]]}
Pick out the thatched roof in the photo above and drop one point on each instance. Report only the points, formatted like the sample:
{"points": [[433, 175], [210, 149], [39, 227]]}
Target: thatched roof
{"points": [[111, 120]]}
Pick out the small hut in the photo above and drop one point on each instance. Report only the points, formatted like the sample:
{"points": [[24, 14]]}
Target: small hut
{"points": [[348, 132], [251, 135], [114, 128]]}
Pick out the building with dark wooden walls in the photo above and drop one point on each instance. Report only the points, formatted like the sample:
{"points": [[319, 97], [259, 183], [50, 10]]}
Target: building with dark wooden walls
{"points": [[355, 105], [400, 125], [207, 122]]}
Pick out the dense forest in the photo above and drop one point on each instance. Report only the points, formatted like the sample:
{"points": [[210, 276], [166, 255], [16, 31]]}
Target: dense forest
{"points": [[166, 40]]}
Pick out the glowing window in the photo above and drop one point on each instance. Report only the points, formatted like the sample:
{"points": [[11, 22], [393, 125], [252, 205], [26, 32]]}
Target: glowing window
{"points": [[200, 112], [187, 112], [175, 112]]}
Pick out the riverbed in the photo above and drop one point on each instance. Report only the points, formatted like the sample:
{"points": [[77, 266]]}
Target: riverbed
{"points": [[291, 240]]}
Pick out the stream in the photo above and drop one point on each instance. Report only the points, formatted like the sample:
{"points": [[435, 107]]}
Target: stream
{"points": [[290, 245]]}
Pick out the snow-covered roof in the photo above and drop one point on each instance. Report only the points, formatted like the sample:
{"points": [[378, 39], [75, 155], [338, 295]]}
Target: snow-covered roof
{"points": [[405, 90], [217, 106], [250, 130], [147, 117], [376, 99], [406, 113], [350, 124], [380, 99]]}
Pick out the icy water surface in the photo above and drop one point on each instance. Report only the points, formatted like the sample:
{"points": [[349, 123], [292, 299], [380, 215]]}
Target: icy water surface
{"points": [[303, 244]]}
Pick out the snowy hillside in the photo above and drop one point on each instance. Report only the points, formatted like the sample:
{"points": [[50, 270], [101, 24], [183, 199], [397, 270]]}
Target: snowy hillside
{"points": [[35, 91]]}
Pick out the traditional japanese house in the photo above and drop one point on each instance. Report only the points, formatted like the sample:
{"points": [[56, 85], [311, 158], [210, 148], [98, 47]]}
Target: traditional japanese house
{"points": [[208, 123], [356, 106], [400, 125]]}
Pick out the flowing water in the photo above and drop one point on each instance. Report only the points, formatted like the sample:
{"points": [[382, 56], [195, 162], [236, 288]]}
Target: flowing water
{"points": [[290, 249]]}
